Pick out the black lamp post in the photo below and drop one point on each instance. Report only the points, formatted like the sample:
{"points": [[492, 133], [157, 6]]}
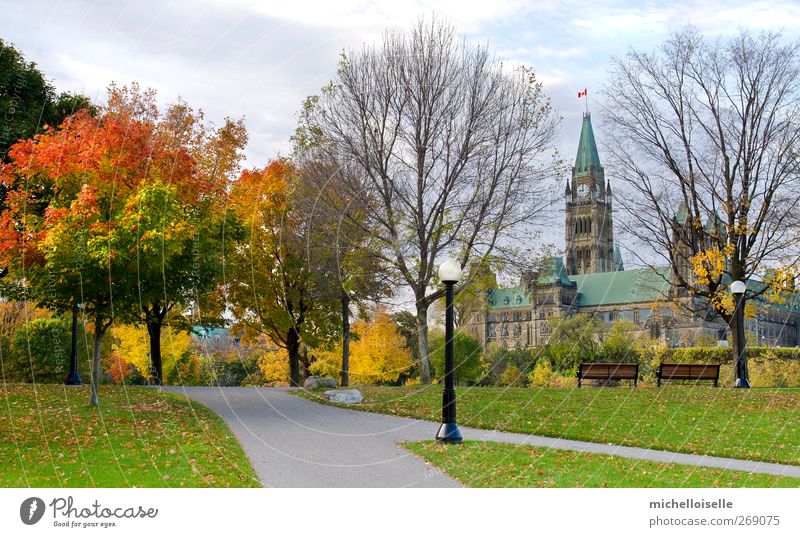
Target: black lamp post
{"points": [[738, 289], [449, 274], [74, 379]]}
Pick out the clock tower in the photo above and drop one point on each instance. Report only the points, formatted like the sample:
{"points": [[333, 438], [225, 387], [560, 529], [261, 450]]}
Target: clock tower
{"points": [[588, 230]]}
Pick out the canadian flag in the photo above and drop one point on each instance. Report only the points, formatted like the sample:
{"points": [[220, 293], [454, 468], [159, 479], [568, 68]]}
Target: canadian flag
{"points": [[582, 93]]}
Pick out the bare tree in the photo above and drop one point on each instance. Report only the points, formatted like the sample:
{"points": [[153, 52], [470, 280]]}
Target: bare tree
{"points": [[706, 138], [452, 147]]}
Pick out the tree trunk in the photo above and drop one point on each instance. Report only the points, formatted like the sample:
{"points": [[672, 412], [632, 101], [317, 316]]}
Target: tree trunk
{"points": [[293, 348], [99, 330], [422, 337], [156, 368], [73, 377], [345, 339]]}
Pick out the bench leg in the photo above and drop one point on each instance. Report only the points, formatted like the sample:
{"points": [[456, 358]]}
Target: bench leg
{"points": [[658, 382], [579, 382]]}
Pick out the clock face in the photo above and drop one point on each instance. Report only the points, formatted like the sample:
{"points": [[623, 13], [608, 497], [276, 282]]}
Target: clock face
{"points": [[583, 191]]}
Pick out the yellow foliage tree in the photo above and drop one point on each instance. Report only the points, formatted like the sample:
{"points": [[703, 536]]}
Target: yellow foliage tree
{"points": [[274, 364], [131, 344], [378, 353]]}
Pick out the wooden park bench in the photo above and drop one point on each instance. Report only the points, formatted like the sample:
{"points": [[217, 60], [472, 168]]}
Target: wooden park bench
{"points": [[688, 372], [608, 372]]}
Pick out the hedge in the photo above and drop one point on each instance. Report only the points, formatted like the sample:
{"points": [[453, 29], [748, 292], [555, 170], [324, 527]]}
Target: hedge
{"points": [[721, 355]]}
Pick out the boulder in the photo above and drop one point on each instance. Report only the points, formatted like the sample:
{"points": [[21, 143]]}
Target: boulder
{"points": [[348, 397], [314, 382]]}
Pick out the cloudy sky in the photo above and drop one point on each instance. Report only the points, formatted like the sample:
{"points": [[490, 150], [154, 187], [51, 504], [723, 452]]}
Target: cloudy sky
{"points": [[260, 58]]}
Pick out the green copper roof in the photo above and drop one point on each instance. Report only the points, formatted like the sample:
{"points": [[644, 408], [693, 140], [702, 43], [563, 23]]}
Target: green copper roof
{"points": [[552, 270], [511, 297], [636, 286], [587, 158], [621, 287]]}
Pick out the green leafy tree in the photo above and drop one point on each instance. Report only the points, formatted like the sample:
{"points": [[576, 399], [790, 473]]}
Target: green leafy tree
{"points": [[28, 102], [573, 340], [619, 345], [466, 357]]}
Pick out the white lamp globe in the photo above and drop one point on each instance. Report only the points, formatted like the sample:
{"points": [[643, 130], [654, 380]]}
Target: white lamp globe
{"points": [[738, 287], [449, 271]]}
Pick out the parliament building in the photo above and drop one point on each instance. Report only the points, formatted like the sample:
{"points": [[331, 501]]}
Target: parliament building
{"points": [[591, 278]]}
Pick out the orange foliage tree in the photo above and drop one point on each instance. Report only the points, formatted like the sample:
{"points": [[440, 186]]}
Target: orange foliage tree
{"points": [[277, 286], [110, 193]]}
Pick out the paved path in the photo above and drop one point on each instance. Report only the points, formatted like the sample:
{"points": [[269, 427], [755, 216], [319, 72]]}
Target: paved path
{"points": [[294, 442]]}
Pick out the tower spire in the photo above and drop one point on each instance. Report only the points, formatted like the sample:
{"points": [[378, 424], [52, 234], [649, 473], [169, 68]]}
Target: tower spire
{"points": [[588, 158]]}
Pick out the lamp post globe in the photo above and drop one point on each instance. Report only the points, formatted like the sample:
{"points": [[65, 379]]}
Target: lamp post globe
{"points": [[738, 289], [449, 273]]}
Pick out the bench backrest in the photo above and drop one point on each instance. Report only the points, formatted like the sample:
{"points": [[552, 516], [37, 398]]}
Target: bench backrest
{"points": [[689, 371], [609, 371]]}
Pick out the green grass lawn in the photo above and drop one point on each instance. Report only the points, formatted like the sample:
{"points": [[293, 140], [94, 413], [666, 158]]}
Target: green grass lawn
{"points": [[489, 464], [757, 424], [138, 437]]}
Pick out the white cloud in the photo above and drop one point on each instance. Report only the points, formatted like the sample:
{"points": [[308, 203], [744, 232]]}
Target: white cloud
{"points": [[262, 58], [370, 16], [569, 52]]}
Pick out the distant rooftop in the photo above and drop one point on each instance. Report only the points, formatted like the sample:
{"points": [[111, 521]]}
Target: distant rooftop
{"points": [[622, 286]]}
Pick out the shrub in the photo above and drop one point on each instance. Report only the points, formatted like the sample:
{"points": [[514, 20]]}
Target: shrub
{"points": [[561, 357], [186, 370], [497, 358], [767, 366], [228, 368], [542, 374], [39, 352], [651, 353], [512, 376]]}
